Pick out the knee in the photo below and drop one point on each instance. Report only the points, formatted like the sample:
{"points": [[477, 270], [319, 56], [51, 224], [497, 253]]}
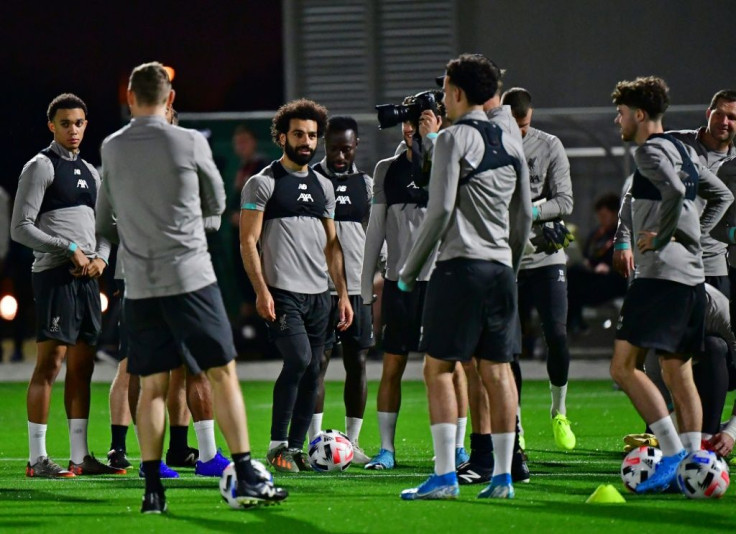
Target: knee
{"points": [[354, 362]]}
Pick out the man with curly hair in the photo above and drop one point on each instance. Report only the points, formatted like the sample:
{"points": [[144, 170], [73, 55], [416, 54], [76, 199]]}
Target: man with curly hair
{"points": [[289, 209], [664, 308]]}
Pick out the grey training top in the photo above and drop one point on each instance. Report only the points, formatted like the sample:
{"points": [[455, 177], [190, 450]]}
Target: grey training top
{"points": [[723, 231], [351, 234], [551, 190], [487, 218], [292, 245], [718, 317], [673, 216], [159, 183], [50, 233], [4, 224], [714, 250]]}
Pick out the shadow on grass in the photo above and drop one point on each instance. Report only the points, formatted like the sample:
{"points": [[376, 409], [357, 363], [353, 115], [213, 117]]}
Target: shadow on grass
{"points": [[263, 520], [16, 495]]}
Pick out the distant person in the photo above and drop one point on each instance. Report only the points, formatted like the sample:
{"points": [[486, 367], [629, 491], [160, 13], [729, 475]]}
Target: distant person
{"points": [[54, 214], [595, 281]]}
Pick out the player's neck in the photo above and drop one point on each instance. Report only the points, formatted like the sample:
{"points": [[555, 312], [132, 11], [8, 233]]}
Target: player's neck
{"points": [[646, 130], [292, 166], [148, 111]]}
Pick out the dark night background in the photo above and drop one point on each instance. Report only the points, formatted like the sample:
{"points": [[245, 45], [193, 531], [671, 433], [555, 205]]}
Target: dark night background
{"points": [[227, 56]]}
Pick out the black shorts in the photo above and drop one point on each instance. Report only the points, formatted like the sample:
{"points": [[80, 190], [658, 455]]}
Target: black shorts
{"points": [[190, 328], [300, 313], [470, 311], [663, 315], [401, 315], [360, 333], [67, 308], [544, 288]]}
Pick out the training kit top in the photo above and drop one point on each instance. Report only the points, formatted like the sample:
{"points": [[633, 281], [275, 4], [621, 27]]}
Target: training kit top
{"points": [[726, 230], [293, 237], [551, 191], [485, 217], [661, 199], [55, 207], [159, 183], [714, 251], [353, 192]]}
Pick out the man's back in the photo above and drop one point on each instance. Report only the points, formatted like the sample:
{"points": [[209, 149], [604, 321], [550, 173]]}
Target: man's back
{"points": [[161, 181]]}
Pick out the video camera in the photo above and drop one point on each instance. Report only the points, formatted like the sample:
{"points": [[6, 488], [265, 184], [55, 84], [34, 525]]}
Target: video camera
{"points": [[391, 114]]}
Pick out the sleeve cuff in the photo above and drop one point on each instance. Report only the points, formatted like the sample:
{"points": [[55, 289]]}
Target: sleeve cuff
{"points": [[732, 235], [432, 135], [535, 213], [621, 246], [403, 286], [249, 206], [71, 249]]}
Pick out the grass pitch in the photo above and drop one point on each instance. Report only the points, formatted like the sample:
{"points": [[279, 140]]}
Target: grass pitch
{"points": [[357, 500]]}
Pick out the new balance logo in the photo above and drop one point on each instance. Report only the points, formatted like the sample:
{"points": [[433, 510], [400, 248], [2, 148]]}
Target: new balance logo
{"points": [[341, 188], [77, 172], [412, 186], [82, 184], [305, 197], [55, 324], [343, 199], [470, 476], [561, 276], [302, 187]]}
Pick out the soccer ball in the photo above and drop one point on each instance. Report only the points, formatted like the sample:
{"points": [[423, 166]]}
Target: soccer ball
{"points": [[229, 482], [330, 450], [639, 465], [703, 474]]}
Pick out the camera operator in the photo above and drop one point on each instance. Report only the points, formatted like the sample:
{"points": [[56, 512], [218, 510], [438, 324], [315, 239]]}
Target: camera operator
{"points": [[398, 208]]}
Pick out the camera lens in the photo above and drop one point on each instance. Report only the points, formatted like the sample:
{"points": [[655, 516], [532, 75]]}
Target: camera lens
{"points": [[390, 115]]}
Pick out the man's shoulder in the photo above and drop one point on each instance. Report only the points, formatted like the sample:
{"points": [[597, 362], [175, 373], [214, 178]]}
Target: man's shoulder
{"points": [[541, 138], [40, 162], [115, 137], [689, 137], [383, 165]]}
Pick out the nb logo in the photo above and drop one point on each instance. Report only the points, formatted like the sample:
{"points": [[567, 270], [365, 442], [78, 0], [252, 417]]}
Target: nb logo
{"points": [[343, 199], [561, 276], [302, 187], [82, 184], [305, 197], [77, 172], [341, 188]]}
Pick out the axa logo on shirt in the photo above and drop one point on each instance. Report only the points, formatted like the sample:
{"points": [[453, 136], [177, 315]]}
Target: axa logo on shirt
{"points": [[343, 199], [82, 184], [305, 197], [412, 185]]}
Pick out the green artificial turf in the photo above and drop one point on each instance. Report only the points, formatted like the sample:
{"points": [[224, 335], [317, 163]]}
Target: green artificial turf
{"points": [[357, 500]]}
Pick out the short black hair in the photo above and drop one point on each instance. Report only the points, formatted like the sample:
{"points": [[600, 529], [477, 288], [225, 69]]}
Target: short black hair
{"points": [[609, 201], [150, 83], [65, 101], [341, 123], [520, 101], [729, 95], [648, 93], [302, 109], [476, 75]]}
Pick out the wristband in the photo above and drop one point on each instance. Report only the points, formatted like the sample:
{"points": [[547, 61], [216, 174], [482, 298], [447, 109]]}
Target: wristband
{"points": [[432, 135], [621, 246], [732, 234], [730, 428], [535, 213], [72, 248]]}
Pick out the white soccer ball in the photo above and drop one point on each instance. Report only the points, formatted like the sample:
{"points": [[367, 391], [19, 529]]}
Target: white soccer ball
{"points": [[639, 465], [703, 474], [330, 450], [229, 482]]}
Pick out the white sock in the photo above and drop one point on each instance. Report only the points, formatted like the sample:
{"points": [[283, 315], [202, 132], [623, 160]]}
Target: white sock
{"points": [[274, 444], [205, 431], [36, 442], [443, 436], [352, 428], [387, 429], [315, 427], [462, 424], [503, 451], [78, 439], [559, 394], [691, 441], [667, 436]]}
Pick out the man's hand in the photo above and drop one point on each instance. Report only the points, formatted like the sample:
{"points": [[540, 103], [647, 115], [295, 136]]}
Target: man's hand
{"points": [[96, 268], [722, 444], [623, 262], [346, 313], [265, 306], [645, 241], [429, 123]]}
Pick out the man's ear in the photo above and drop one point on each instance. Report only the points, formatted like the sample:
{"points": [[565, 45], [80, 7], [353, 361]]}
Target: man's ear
{"points": [[170, 99], [640, 115], [52, 128], [282, 140]]}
